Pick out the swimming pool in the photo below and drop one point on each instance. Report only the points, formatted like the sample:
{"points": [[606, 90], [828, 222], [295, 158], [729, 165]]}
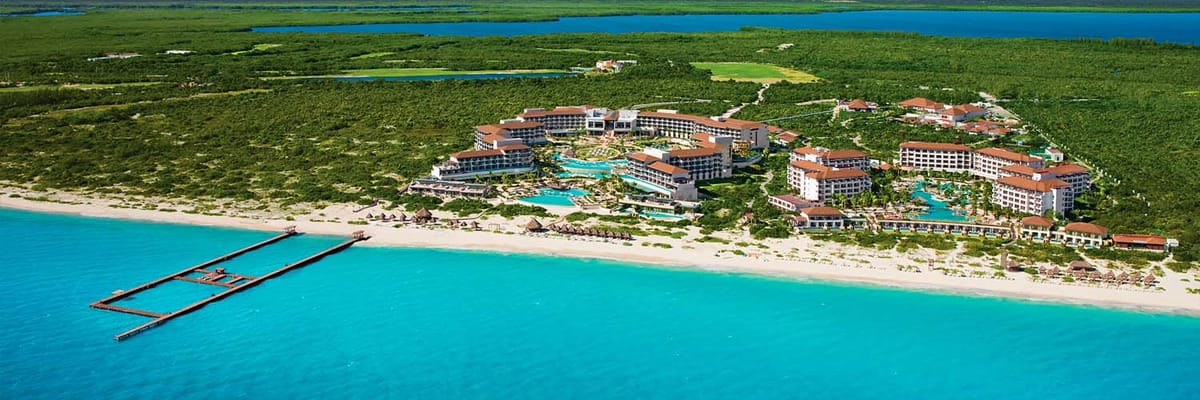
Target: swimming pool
{"points": [[577, 165], [553, 197], [660, 215], [937, 210]]}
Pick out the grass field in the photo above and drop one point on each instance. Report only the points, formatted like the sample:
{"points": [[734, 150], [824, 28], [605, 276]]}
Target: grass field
{"points": [[751, 72]]}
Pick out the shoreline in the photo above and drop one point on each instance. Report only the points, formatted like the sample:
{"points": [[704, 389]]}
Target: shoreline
{"points": [[681, 256]]}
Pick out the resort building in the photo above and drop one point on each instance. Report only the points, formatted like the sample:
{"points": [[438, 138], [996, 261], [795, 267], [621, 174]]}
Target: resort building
{"points": [[932, 156], [1139, 242], [789, 203], [1036, 228], [662, 177], [987, 162], [504, 160], [819, 183], [442, 188], [857, 105], [1077, 177], [1083, 234], [962, 112], [958, 228], [932, 111], [529, 132], [1031, 197], [559, 121], [921, 104], [839, 159], [820, 218], [598, 120], [669, 123]]}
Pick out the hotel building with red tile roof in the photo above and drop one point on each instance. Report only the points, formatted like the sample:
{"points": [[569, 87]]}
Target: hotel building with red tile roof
{"points": [[599, 120], [819, 183], [986, 163], [504, 160], [820, 217], [833, 158], [529, 133], [933, 156]]}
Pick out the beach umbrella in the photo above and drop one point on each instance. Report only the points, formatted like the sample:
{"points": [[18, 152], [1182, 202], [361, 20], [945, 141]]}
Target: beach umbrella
{"points": [[369, 216], [1110, 276], [1056, 271], [1149, 279], [533, 225], [403, 217], [422, 214]]}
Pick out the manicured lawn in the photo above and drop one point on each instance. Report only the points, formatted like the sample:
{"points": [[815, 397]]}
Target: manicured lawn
{"points": [[751, 72]]}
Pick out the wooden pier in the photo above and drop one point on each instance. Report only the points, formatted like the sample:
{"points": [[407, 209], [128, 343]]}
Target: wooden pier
{"points": [[214, 277]]}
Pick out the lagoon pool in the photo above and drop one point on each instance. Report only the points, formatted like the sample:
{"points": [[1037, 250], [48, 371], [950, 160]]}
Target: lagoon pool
{"points": [[552, 197], [937, 210], [577, 165]]}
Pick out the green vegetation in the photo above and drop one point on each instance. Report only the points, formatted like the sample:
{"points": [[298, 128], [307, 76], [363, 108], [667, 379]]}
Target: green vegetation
{"points": [[752, 72], [212, 130], [256, 48], [400, 72]]}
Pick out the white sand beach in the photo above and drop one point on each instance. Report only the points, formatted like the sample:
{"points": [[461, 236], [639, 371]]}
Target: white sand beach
{"points": [[797, 257]]}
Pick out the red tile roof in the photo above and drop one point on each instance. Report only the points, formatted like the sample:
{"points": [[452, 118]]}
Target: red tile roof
{"points": [[791, 199], [493, 138], [788, 137], [920, 102], [728, 123], [1067, 169], [808, 166], [1085, 227], [491, 129], [848, 173], [1021, 169], [822, 211], [643, 157], [1044, 185], [1037, 221], [935, 146], [476, 153], [844, 154], [1008, 155], [668, 168], [512, 147], [858, 104], [689, 153], [1128, 238], [555, 111]]}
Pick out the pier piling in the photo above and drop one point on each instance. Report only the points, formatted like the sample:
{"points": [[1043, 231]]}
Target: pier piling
{"points": [[234, 285]]}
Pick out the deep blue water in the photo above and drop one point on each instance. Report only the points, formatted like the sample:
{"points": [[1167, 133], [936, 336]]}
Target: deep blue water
{"points": [[499, 75], [416, 323], [1166, 27]]}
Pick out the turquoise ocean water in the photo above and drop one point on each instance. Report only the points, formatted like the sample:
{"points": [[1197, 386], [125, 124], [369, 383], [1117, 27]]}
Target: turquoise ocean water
{"points": [[415, 323]]}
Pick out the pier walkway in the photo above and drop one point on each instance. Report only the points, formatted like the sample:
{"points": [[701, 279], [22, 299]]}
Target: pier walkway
{"points": [[216, 276]]}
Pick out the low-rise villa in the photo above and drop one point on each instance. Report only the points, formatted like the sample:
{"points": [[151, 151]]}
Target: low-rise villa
{"points": [[820, 218]]}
